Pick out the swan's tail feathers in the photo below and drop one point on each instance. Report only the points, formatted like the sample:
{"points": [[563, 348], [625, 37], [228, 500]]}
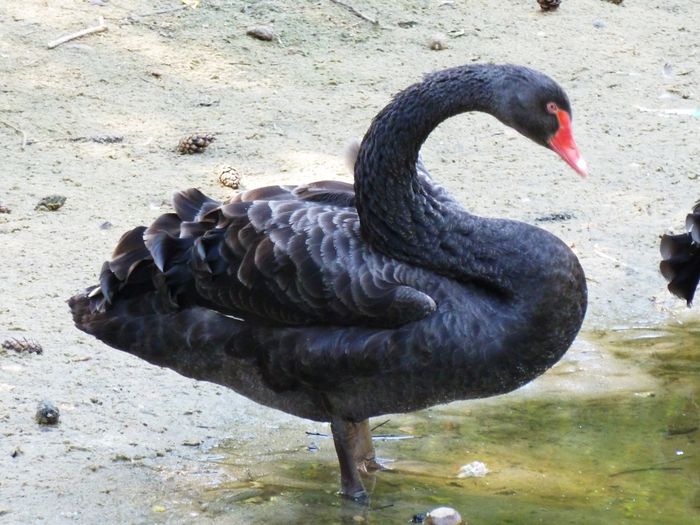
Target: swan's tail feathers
{"points": [[195, 342], [681, 258], [157, 258], [146, 302], [130, 264]]}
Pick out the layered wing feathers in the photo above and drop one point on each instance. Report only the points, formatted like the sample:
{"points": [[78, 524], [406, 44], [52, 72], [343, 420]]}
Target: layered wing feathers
{"points": [[302, 262], [289, 255]]}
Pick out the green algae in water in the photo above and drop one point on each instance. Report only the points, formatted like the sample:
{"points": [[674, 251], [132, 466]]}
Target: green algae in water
{"points": [[632, 457]]}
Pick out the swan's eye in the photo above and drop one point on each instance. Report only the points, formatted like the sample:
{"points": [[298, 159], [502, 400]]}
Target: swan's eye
{"points": [[552, 108]]}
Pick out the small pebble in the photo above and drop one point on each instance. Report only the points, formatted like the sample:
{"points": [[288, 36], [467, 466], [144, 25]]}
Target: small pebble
{"points": [[4, 209], [444, 516], [51, 203], [106, 225], [265, 33], [475, 469], [438, 42], [46, 413], [645, 394]]}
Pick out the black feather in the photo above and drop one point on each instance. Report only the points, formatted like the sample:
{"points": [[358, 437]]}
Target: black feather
{"points": [[681, 258]]}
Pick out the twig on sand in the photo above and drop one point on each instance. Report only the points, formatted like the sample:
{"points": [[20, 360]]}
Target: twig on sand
{"points": [[636, 470], [101, 26], [356, 12], [387, 506], [651, 468], [391, 437], [20, 131], [319, 434], [161, 11], [383, 437], [600, 253], [99, 139], [693, 112], [375, 427]]}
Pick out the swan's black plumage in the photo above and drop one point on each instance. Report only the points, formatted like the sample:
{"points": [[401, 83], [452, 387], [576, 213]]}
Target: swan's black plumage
{"points": [[681, 258], [339, 303]]}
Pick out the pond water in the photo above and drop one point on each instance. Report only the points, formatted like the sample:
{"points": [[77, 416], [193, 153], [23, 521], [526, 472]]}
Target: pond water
{"points": [[629, 455]]}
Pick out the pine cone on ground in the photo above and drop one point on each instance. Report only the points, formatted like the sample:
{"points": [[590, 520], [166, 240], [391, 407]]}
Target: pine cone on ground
{"points": [[229, 177], [194, 144], [23, 345], [549, 5]]}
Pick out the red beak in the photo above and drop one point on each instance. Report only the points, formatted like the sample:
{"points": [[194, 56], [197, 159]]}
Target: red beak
{"points": [[563, 144]]}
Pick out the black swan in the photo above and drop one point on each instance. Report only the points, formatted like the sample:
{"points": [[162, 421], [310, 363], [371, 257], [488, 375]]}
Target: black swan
{"points": [[339, 303], [681, 258]]}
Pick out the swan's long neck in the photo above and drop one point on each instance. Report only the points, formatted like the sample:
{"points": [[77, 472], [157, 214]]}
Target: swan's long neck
{"points": [[395, 209], [401, 218], [398, 213]]}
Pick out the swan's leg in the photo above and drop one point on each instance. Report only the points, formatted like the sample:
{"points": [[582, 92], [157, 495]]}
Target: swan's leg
{"points": [[362, 447], [345, 439]]}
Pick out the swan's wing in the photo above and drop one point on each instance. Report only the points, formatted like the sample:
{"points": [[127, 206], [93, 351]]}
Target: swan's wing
{"points": [[301, 262], [291, 256], [327, 191]]}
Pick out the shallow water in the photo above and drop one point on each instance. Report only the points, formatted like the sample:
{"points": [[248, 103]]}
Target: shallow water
{"points": [[611, 456]]}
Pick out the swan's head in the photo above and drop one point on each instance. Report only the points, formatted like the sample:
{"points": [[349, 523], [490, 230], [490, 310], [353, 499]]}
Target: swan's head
{"points": [[537, 107]]}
